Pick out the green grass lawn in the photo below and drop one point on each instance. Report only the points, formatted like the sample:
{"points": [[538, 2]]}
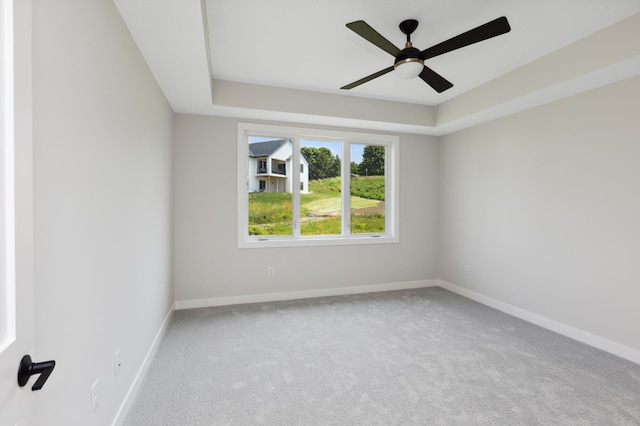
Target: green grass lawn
{"points": [[270, 213], [334, 205]]}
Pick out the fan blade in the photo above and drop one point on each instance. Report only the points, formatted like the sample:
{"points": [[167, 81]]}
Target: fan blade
{"points": [[483, 32], [365, 31], [368, 78], [435, 80]]}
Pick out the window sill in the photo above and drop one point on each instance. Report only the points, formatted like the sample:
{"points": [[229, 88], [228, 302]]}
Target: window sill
{"points": [[267, 242]]}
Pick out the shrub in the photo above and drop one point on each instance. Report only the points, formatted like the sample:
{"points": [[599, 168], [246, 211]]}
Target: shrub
{"points": [[371, 187]]}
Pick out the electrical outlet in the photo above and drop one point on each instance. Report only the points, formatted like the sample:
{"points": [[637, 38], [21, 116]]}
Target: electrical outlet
{"points": [[271, 271], [467, 269], [95, 395], [117, 363]]}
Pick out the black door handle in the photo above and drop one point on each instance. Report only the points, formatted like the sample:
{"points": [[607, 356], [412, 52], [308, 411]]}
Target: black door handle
{"points": [[28, 368]]}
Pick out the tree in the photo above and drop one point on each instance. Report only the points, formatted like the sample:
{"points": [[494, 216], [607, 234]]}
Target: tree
{"points": [[372, 161], [355, 168], [322, 163]]}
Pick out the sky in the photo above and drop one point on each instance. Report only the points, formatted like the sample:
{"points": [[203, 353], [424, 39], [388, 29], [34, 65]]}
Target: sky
{"points": [[335, 147]]}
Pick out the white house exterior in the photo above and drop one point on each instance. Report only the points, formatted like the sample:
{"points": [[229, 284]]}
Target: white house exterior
{"points": [[270, 167]]}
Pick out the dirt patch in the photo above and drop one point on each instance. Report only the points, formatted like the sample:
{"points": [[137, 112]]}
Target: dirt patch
{"points": [[378, 209]]}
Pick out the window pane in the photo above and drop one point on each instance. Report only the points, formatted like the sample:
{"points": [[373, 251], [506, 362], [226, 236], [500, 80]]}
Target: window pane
{"points": [[321, 203], [367, 188], [269, 183]]}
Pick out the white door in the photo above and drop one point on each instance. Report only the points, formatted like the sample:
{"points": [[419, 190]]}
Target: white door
{"points": [[16, 212]]}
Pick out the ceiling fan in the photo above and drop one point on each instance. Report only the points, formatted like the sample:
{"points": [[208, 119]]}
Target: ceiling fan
{"points": [[409, 62]]}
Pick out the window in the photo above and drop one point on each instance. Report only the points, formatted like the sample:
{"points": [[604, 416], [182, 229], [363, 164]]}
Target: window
{"points": [[346, 191]]}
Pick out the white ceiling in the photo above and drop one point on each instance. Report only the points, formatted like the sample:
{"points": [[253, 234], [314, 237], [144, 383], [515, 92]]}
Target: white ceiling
{"points": [[304, 44]]}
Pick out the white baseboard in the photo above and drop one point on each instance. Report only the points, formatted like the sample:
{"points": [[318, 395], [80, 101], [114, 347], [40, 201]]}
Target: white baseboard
{"points": [[137, 382], [574, 333], [306, 294]]}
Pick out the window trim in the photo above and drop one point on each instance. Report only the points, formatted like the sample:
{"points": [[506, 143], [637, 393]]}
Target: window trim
{"points": [[299, 133], [8, 324]]}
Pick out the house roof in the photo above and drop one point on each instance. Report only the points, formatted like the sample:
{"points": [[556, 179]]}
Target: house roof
{"points": [[265, 149]]}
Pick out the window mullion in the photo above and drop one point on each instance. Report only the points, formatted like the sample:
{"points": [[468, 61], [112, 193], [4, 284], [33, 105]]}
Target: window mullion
{"points": [[295, 187], [346, 188]]}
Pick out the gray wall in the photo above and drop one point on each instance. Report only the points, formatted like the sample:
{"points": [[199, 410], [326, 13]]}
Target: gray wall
{"points": [[102, 160], [208, 263], [544, 206]]}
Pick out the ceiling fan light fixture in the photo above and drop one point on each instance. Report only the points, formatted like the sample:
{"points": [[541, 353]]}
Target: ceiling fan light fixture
{"points": [[408, 68]]}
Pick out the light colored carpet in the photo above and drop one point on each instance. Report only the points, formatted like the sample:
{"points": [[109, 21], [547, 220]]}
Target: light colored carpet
{"points": [[423, 357]]}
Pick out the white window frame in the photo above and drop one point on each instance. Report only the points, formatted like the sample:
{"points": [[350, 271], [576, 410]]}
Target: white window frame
{"points": [[297, 134]]}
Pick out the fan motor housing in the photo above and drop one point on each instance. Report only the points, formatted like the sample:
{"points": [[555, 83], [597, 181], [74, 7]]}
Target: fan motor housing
{"points": [[408, 54]]}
